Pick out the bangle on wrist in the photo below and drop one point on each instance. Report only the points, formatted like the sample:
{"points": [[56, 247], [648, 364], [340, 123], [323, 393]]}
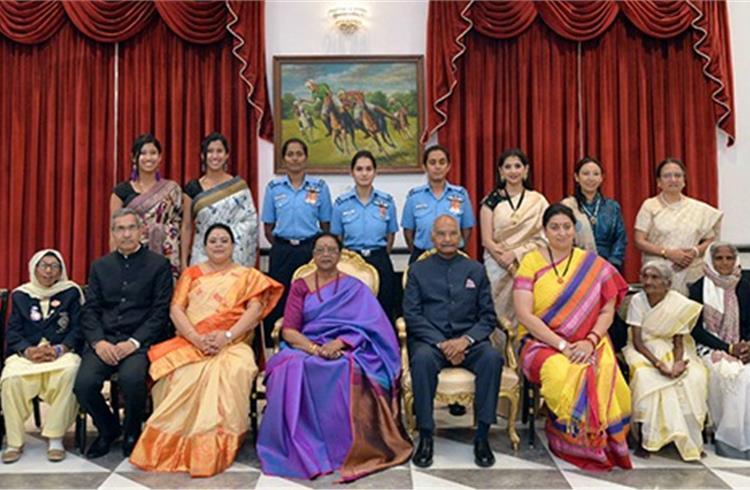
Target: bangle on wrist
{"points": [[697, 251], [730, 349], [596, 337], [663, 253]]}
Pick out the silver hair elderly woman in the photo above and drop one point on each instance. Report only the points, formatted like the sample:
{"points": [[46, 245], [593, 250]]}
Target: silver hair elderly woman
{"points": [[668, 380]]}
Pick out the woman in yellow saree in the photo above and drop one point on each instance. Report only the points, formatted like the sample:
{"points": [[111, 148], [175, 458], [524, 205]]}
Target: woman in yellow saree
{"points": [[203, 376], [668, 379], [565, 300]]}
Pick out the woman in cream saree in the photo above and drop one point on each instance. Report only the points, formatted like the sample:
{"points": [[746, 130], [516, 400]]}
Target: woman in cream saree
{"points": [[203, 376], [667, 378]]}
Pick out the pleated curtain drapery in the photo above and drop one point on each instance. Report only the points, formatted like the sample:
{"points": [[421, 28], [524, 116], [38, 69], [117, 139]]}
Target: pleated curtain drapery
{"points": [[82, 79], [628, 82]]}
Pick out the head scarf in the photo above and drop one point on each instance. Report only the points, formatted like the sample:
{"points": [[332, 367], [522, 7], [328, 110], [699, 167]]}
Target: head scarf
{"points": [[721, 310], [35, 289]]}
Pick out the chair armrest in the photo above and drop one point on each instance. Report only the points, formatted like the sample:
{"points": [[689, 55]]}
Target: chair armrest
{"points": [[401, 330], [276, 334], [510, 342]]}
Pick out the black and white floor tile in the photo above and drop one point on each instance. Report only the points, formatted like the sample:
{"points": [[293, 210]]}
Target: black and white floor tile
{"points": [[453, 468]]}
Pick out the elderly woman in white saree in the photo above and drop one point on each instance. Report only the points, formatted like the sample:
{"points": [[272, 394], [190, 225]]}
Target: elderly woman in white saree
{"points": [[667, 379], [722, 334]]}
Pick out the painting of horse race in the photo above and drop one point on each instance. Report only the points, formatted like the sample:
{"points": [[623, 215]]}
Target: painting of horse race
{"points": [[339, 105]]}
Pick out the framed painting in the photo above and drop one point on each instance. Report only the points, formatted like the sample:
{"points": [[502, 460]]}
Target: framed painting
{"points": [[339, 105]]}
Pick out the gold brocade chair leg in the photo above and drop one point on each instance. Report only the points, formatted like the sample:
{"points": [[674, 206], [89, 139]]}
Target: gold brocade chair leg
{"points": [[411, 423], [515, 439]]}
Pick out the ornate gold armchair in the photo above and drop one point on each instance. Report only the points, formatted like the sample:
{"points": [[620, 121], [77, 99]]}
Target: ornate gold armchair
{"points": [[350, 263], [456, 385]]}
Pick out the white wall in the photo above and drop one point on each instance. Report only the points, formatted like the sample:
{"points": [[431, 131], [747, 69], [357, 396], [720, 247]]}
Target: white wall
{"points": [[734, 162], [299, 28], [399, 27]]}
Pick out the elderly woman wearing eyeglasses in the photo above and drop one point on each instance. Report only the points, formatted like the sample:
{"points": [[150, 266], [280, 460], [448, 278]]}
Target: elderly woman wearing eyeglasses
{"points": [[43, 336], [674, 227]]}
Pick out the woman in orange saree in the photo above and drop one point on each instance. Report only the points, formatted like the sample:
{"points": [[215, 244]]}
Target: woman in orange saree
{"points": [[203, 376], [565, 300]]}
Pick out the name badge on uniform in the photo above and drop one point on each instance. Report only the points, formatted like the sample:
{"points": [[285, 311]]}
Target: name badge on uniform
{"points": [[63, 322], [35, 314], [455, 205], [312, 196], [383, 206], [470, 284]]}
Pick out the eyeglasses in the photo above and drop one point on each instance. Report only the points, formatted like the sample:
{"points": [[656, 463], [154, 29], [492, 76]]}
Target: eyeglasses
{"points": [[123, 229], [672, 175], [326, 251], [53, 267]]}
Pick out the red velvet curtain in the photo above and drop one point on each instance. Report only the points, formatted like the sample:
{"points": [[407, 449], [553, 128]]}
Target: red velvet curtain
{"points": [[631, 92], [185, 69]]}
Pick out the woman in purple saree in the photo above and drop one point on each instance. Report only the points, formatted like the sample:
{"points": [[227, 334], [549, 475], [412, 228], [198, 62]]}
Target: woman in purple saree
{"points": [[332, 391]]}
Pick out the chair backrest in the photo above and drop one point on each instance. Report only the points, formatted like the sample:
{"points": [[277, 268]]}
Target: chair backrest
{"points": [[4, 300], [350, 263], [424, 255]]}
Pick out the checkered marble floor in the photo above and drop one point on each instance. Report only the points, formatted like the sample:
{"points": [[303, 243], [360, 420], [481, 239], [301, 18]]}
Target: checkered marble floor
{"points": [[530, 467]]}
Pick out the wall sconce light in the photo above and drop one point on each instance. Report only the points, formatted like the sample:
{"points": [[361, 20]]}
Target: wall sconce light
{"points": [[348, 19]]}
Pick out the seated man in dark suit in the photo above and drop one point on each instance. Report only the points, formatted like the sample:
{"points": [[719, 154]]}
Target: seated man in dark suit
{"points": [[449, 318], [126, 311]]}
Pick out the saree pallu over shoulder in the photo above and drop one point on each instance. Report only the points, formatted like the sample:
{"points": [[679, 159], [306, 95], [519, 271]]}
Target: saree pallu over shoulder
{"points": [[230, 203], [161, 210], [214, 302], [570, 309], [589, 403], [670, 410], [683, 224], [201, 402], [360, 431]]}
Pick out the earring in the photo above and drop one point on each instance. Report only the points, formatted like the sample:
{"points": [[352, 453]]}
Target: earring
{"points": [[158, 176], [134, 173]]}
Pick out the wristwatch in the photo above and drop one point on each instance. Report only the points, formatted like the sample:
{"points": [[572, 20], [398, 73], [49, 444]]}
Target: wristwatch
{"points": [[228, 335], [562, 345]]}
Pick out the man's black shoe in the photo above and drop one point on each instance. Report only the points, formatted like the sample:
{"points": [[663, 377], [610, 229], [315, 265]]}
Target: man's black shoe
{"points": [[423, 455], [128, 443], [483, 456], [456, 410], [99, 447]]}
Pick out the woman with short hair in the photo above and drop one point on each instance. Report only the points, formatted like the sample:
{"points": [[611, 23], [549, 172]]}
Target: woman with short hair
{"points": [[668, 380], [674, 227]]}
